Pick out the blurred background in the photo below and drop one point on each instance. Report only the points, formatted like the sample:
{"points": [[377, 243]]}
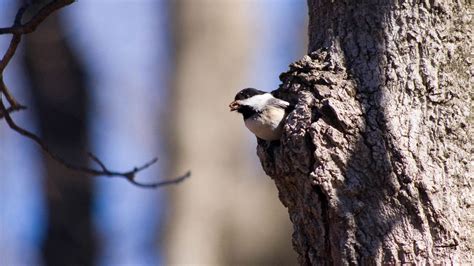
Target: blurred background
{"points": [[130, 80]]}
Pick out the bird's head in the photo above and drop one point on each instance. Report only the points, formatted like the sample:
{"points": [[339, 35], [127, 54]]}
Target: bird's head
{"points": [[249, 101], [262, 112]]}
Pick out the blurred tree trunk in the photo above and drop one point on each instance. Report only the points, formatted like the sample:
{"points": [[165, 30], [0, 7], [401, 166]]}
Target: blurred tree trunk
{"points": [[224, 214], [57, 81], [374, 162]]}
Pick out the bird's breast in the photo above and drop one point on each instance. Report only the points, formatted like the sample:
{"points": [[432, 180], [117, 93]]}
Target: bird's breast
{"points": [[267, 125]]}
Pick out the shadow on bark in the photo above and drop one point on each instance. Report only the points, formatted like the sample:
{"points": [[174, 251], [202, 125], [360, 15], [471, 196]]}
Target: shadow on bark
{"points": [[370, 165], [374, 174]]}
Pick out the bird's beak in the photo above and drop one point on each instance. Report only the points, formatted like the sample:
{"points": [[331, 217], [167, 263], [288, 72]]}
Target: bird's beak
{"points": [[234, 106]]}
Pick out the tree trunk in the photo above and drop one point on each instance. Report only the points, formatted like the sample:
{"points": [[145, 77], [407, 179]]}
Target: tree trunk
{"points": [[373, 165], [211, 222], [57, 81]]}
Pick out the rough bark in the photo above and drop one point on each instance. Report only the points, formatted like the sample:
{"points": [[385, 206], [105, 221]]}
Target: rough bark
{"points": [[373, 165]]}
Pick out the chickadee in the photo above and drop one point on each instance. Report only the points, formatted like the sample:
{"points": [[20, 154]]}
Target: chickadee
{"points": [[263, 114]]}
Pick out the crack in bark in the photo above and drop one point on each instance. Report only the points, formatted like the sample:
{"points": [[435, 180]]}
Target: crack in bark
{"points": [[324, 205]]}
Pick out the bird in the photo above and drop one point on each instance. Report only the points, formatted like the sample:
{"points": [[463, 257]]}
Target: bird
{"points": [[263, 113]]}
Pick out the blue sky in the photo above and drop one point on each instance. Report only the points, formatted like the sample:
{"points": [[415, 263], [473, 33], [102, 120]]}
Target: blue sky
{"points": [[125, 46]]}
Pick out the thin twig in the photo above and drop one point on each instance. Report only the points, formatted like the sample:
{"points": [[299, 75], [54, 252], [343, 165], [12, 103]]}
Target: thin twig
{"points": [[99, 162], [10, 51], [104, 171], [15, 41], [18, 30], [19, 15], [11, 100], [39, 17], [12, 109]]}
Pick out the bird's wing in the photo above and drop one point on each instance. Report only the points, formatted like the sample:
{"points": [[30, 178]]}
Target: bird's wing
{"points": [[279, 103]]}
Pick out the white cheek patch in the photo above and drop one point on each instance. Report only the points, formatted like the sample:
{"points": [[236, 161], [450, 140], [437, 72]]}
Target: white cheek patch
{"points": [[258, 102]]}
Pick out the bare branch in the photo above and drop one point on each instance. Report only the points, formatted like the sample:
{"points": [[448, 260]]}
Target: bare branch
{"points": [[31, 25], [11, 100], [10, 51], [129, 175], [19, 15], [99, 162], [18, 30], [12, 109], [15, 41]]}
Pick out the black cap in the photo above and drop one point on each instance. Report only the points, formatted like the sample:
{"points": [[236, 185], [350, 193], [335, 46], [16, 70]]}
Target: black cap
{"points": [[247, 93]]}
